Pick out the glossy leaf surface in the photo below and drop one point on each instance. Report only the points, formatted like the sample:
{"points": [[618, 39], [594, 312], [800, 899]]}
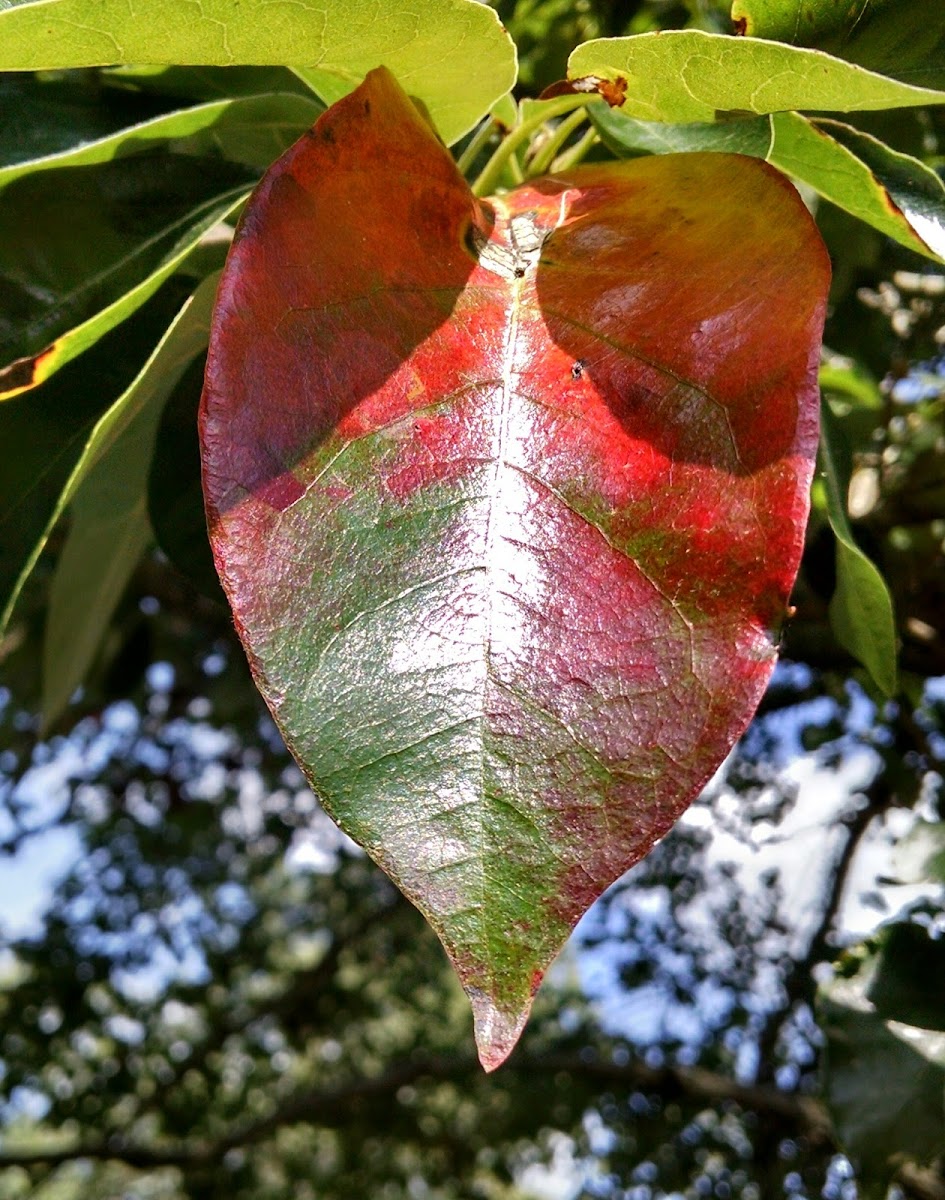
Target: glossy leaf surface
{"points": [[453, 55], [507, 500], [687, 75], [252, 130], [893, 192]]}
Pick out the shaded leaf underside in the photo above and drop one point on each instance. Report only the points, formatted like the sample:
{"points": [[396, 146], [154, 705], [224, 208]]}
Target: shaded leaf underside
{"points": [[507, 500]]}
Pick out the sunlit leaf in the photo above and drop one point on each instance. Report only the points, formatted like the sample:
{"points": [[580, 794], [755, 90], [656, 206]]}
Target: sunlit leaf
{"points": [[508, 537], [453, 55], [687, 75], [893, 192]]}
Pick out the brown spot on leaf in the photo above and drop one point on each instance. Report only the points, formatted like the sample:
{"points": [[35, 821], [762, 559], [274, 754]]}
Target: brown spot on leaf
{"points": [[613, 91], [24, 373], [740, 26]]}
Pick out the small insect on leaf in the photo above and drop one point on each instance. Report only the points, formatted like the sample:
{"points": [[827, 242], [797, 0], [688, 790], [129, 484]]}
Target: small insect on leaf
{"points": [[508, 497]]}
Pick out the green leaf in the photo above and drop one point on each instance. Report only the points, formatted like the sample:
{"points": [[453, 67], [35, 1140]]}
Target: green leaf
{"points": [[908, 981], [850, 383], [625, 135], [139, 201], [893, 192], [110, 528], [452, 55], [57, 114], [45, 436], [901, 38], [687, 75], [879, 1126], [204, 83], [253, 130], [175, 497], [861, 610]]}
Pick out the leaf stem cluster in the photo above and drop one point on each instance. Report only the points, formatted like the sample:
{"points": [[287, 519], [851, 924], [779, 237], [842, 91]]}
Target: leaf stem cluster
{"points": [[574, 108]]}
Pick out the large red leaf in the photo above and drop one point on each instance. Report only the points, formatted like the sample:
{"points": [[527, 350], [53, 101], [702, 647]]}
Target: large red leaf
{"points": [[507, 499]]}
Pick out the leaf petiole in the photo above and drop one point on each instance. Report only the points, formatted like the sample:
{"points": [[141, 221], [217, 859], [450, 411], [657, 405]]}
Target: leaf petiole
{"points": [[575, 154], [545, 155], [492, 172], [477, 143]]}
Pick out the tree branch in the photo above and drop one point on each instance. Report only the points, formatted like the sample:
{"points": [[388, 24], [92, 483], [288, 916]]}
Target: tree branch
{"points": [[799, 983], [329, 1107]]}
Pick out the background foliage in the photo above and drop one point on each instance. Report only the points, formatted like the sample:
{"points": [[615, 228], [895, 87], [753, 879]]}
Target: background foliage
{"points": [[219, 995]]}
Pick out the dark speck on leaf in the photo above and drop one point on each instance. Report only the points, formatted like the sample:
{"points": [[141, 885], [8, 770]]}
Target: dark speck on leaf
{"points": [[519, 272], [577, 371]]}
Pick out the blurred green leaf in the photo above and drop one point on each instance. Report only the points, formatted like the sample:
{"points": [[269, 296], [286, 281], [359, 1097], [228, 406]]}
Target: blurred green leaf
{"points": [[687, 75], [110, 528], [452, 55], [908, 980], [920, 857], [861, 611], [853, 381], [902, 38], [884, 1079]]}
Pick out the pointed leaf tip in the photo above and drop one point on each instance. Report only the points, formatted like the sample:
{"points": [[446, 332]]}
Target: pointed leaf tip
{"points": [[497, 1029]]}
